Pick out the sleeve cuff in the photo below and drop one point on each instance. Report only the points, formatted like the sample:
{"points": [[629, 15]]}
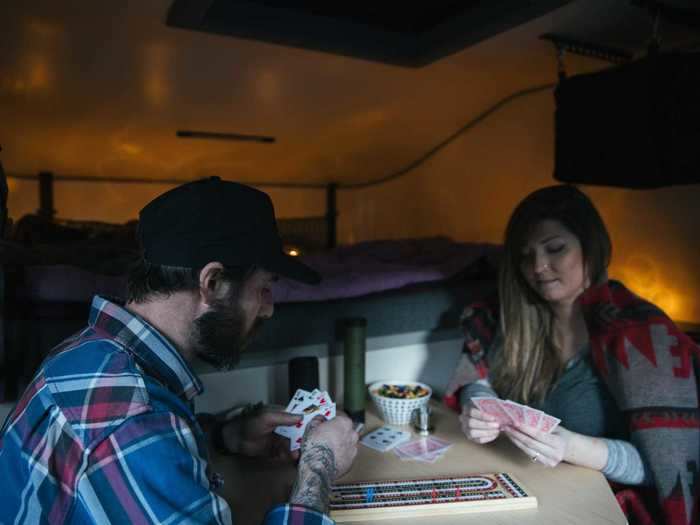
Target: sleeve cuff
{"points": [[480, 388], [288, 513]]}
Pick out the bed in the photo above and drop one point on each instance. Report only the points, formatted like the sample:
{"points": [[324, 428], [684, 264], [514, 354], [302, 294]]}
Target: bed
{"points": [[410, 289]]}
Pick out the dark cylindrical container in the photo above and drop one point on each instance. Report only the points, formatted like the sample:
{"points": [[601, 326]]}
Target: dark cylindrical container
{"points": [[354, 368], [303, 373]]}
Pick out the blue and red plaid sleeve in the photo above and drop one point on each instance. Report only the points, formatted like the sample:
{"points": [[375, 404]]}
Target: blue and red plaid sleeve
{"points": [[105, 434], [295, 515], [149, 470]]}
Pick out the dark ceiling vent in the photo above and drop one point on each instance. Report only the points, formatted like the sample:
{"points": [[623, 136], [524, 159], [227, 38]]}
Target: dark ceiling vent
{"points": [[632, 126], [397, 33]]}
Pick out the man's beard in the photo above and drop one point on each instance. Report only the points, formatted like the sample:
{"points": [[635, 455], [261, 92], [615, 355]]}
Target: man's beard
{"points": [[219, 335]]}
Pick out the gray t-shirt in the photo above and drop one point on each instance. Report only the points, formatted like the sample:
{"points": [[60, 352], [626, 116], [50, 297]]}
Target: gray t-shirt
{"points": [[582, 402]]}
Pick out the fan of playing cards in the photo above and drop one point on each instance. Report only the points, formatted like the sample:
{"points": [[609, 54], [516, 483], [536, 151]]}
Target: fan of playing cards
{"points": [[508, 412], [310, 405]]}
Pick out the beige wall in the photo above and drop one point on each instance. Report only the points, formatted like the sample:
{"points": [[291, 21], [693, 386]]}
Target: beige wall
{"points": [[470, 189], [84, 94]]}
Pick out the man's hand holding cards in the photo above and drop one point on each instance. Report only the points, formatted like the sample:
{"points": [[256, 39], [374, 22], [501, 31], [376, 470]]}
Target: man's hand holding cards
{"points": [[309, 405]]}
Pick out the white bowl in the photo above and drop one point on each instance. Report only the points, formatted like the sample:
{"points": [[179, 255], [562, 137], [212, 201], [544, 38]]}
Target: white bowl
{"points": [[397, 411]]}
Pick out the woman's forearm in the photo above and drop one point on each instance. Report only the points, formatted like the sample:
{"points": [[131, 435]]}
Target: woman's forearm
{"points": [[618, 460], [586, 451]]}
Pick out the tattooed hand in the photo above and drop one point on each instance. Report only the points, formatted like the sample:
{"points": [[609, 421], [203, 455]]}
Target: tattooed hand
{"points": [[327, 452]]}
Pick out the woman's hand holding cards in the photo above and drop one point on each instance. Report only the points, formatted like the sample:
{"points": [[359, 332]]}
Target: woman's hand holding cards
{"points": [[478, 426], [560, 445], [549, 449], [534, 432]]}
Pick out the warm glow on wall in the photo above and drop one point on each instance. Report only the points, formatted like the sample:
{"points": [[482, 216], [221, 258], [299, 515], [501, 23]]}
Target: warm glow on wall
{"points": [[100, 90], [157, 82], [129, 149], [268, 86], [37, 67], [11, 185], [43, 29], [39, 74], [642, 274]]}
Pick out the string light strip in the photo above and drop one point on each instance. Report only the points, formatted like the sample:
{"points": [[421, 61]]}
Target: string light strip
{"points": [[610, 54]]}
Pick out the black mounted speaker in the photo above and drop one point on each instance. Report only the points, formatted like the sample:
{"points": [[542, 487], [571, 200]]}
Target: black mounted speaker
{"points": [[633, 126]]}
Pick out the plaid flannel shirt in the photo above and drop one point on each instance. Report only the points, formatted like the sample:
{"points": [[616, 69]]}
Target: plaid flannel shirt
{"points": [[106, 433]]}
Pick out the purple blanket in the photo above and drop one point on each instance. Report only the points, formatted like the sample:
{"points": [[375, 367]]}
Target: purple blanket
{"points": [[375, 266], [347, 271], [62, 283]]}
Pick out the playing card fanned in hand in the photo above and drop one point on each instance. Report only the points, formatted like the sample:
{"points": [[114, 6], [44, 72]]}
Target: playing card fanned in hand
{"points": [[516, 411], [309, 405], [533, 417], [548, 423], [509, 412], [493, 406]]}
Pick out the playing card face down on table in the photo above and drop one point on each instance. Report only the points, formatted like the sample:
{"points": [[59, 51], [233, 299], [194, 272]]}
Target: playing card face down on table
{"points": [[426, 449], [509, 412], [308, 405]]}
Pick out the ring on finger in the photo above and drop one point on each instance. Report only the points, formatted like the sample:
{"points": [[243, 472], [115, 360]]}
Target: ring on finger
{"points": [[535, 457]]}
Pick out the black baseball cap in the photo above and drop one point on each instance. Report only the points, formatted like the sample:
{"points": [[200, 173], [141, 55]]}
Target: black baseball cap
{"points": [[216, 220]]}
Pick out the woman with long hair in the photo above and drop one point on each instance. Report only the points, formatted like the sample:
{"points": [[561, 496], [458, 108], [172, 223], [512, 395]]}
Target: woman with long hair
{"points": [[567, 341]]}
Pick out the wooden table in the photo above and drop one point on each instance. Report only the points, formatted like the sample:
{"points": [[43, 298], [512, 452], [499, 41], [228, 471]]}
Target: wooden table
{"points": [[566, 494]]}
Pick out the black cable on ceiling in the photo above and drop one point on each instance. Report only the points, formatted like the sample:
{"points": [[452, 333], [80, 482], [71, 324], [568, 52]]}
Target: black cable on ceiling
{"points": [[313, 185]]}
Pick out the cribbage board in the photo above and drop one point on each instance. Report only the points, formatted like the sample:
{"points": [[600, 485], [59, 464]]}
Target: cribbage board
{"points": [[375, 500]]}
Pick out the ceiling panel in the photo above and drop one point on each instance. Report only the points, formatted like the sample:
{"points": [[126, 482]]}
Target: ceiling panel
{"points": [[395, 33]]}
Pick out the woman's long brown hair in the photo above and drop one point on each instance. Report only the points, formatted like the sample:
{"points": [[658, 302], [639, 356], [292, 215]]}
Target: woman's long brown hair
{"points": [[528, 365]]}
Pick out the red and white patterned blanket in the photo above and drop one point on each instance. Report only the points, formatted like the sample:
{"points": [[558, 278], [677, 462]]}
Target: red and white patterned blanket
{"points": [[650, 368]]}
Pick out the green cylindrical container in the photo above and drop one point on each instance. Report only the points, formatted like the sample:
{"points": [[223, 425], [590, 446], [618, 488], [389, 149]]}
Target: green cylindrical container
{"points": [[354, 368]]}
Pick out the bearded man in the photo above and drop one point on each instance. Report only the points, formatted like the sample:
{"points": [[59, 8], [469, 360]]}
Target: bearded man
{"points": [[106, 431]]}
